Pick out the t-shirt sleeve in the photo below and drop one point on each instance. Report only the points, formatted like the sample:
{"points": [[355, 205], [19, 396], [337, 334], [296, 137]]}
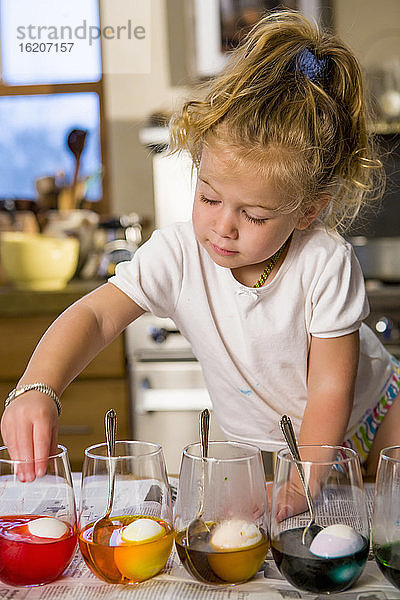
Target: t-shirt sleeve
{"points": [[339, 301], [153, 277]]}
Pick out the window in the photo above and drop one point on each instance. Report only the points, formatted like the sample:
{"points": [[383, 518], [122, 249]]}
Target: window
{"points": [[51, 83]]}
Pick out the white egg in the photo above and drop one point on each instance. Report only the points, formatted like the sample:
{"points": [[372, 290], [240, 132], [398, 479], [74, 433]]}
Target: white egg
{"points": [[235, 533], [335, 541], [47, 527], [142, 530]]}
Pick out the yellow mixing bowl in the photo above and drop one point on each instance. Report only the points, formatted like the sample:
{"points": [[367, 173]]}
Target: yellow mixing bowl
{"points": [[38, 262]]}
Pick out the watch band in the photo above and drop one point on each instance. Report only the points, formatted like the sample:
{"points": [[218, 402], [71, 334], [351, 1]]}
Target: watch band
{"points": [[39, 387]]}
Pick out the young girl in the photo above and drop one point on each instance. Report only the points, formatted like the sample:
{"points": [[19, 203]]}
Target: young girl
{"points": [[271, 298]]}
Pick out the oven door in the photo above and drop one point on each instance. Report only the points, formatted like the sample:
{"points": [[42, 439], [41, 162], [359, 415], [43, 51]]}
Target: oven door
{"points": [[169, 386]]}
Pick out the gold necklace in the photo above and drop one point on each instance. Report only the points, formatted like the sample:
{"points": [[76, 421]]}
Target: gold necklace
{"points": [[270, 265]]}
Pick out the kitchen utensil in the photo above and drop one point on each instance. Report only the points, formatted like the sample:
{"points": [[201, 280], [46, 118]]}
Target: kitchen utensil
{"points": [[134, 543], [197, 527], [77, 223], [111, 432], [290, 437], [76, 143], [46, 193]]}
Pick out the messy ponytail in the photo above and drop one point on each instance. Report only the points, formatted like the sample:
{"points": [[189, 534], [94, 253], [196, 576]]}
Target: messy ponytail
{"points": [[291, 101]]}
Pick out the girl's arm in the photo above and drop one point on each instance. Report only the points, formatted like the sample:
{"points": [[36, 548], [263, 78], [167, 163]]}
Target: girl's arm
{"points": [[332, 371], [29, 425]]}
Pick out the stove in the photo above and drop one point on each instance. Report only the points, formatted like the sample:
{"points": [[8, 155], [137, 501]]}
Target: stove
{"points": [[167, 387]]}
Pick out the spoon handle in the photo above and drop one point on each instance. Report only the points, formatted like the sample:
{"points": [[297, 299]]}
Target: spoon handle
{"points": [[204, 424], [290, 437], [204, 429], [110, 423]]}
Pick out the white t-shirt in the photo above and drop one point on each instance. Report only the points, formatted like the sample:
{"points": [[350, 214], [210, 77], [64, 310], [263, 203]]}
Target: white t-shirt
{"points": [[253, 344]]}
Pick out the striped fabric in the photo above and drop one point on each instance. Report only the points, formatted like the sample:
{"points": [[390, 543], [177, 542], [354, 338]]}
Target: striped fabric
{"points": [[362, 435]]}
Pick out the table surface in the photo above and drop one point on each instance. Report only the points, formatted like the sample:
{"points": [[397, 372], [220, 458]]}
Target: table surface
{"points": [[78, 583]]}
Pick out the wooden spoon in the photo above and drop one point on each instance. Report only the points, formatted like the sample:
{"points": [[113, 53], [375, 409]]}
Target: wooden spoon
{"points": [[76, 143]]}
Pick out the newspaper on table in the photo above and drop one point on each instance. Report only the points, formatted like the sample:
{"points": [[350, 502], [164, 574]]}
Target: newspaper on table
{"points": [[174, 583], [342, 509]]}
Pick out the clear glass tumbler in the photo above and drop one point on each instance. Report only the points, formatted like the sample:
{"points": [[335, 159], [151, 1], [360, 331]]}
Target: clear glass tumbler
{"points": [[37, 520], [134, 543], [386, 515], [331, 555], [221, 513]]}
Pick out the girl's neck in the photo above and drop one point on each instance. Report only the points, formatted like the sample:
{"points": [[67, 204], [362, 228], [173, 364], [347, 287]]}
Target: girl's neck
{"points": [[250, 274]]}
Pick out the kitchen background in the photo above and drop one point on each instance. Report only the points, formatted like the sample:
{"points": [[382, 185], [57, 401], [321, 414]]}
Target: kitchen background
{"points": [[130, 187]]}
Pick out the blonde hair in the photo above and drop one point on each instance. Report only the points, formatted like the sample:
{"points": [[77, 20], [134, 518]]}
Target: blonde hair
{"points": [[308, 134]]}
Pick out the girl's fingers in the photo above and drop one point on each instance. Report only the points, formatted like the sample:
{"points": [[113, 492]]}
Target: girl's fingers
{"points": [[42, 441], [289, 501], [54, 438], [284, 512], [22, 451], [269, 486]]}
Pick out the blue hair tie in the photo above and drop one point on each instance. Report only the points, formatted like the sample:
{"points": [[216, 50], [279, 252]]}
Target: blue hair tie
{"points": [[311, 66]]}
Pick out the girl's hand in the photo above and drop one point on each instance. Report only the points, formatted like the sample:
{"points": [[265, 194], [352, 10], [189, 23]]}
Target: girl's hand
{"points": [[29, 427], [290, 500]]}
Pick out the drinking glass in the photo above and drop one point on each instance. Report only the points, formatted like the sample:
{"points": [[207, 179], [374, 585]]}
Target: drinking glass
{"points": [[134, 543], [386, 515], [221, 513], [332, 554], [37, 520]]}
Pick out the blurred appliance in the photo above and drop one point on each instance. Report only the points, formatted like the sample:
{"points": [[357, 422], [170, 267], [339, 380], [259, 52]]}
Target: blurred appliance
{"points": [[384, 317], [174, 178], [167, 387], [379, 257], [376, 242], [121, 237], [174, 184], [382, 219], [380, 262]]}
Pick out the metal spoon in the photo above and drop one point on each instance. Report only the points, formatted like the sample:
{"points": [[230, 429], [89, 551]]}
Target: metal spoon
{"points": [[100, 526], [198, 526], [290, 437]]}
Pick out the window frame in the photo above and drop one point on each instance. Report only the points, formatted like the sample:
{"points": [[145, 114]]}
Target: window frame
{"points": [[102, 206]]}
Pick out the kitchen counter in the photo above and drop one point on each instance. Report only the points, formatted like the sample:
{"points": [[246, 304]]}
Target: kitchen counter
{"points": [[15, 302]]}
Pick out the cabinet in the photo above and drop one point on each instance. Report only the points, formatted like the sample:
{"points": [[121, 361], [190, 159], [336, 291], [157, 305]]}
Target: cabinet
{"points": [[102, 385]]}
